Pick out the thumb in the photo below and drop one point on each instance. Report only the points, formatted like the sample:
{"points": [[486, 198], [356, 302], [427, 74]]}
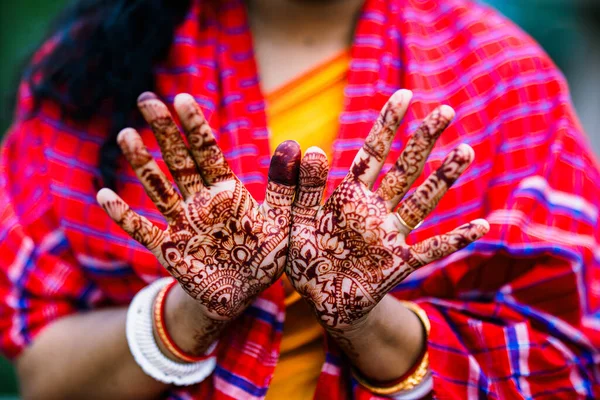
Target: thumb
{"points": [[312, 181], [283, 175]]}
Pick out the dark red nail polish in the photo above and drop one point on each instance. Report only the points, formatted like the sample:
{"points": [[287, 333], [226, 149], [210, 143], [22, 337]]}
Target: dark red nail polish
{"points": [[285, 164]]}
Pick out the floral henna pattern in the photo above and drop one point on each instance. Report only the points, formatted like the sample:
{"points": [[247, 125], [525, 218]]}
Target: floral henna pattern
{"points": [[348, 253], [222, 247]]}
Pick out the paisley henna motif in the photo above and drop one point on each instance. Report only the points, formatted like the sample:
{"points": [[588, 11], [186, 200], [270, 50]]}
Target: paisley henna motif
{"points": [[348, 253], [222, 247]]}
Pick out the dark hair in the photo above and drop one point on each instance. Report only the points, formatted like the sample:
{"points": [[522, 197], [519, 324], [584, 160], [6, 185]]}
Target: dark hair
{"points": [[102, 54]]}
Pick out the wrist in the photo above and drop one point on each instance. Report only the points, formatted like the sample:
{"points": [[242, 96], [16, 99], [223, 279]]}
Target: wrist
{"points": [[418, 377], [391, 330], [144, 348], [379, 318], [188, 326]]}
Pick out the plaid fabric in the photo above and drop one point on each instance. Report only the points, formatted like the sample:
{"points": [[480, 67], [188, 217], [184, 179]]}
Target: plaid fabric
{"points": [[516, 315]]}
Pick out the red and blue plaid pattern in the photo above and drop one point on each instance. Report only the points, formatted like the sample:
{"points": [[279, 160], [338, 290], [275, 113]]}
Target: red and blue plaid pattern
{"points": [[515, 315]]}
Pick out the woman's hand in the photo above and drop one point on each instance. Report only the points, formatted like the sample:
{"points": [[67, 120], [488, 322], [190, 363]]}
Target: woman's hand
{"points": [[222, 247], [347, 254]]}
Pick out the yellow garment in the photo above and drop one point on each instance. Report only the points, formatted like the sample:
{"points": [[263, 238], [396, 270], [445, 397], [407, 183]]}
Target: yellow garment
{"points": [[306, 110]]}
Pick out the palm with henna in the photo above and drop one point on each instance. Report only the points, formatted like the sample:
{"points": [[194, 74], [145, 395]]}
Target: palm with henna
{"points": [[220, 244], [348, 253]]}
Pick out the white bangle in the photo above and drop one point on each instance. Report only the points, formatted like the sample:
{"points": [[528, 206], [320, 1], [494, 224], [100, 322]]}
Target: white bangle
{"points": [[145, 351]]}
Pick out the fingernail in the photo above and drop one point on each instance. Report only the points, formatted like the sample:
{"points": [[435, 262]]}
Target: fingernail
{"points": [[146, 96]]}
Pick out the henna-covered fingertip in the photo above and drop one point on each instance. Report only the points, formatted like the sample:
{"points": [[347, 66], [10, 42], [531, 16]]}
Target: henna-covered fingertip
{"points": [[189, 112], [314, 169], [285, 164], [476, 229], [111, 203], [104, 195], [483, 224], [447, 112], [466, 152], [124, 133], [183, 99], [402, 96]]}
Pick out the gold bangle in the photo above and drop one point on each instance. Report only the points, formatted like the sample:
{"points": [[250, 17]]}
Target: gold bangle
{"points": [[421, 314], [161, 328], [415, 378]]}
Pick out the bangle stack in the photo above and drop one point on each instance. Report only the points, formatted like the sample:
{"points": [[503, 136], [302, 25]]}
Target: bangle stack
{"points": [[143, 346], [163, 334], [414, 376]]}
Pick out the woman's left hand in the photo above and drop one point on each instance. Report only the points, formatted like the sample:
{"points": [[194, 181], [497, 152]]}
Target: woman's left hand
{"points": [[347, 254]]}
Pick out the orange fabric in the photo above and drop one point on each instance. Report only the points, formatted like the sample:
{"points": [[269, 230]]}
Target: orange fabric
{"points": [[306, 110]]}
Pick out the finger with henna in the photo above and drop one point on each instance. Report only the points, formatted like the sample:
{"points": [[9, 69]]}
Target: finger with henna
{"points": [[136, 226], [283, 174], [313, 179], [208, 156], [426, 197], [174, 151], [410, 164], [370, 158], [157, 186], [440, 246]]}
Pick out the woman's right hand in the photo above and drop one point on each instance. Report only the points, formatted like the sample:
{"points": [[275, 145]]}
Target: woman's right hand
{"points": [[220, 244]]}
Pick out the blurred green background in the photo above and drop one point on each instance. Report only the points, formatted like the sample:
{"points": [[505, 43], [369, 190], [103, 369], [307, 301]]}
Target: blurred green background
{"points": [[568, 29], [22, 25]]}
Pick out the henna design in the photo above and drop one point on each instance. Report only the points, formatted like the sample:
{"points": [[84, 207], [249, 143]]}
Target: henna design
{"points": [[416, 207], [222, 247], [370, 158], [174, 151], [313, 177], [206, 336], [348, 253], [410, 164], [137, 226], [439, 246], [203, 145], [157, 186]]}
